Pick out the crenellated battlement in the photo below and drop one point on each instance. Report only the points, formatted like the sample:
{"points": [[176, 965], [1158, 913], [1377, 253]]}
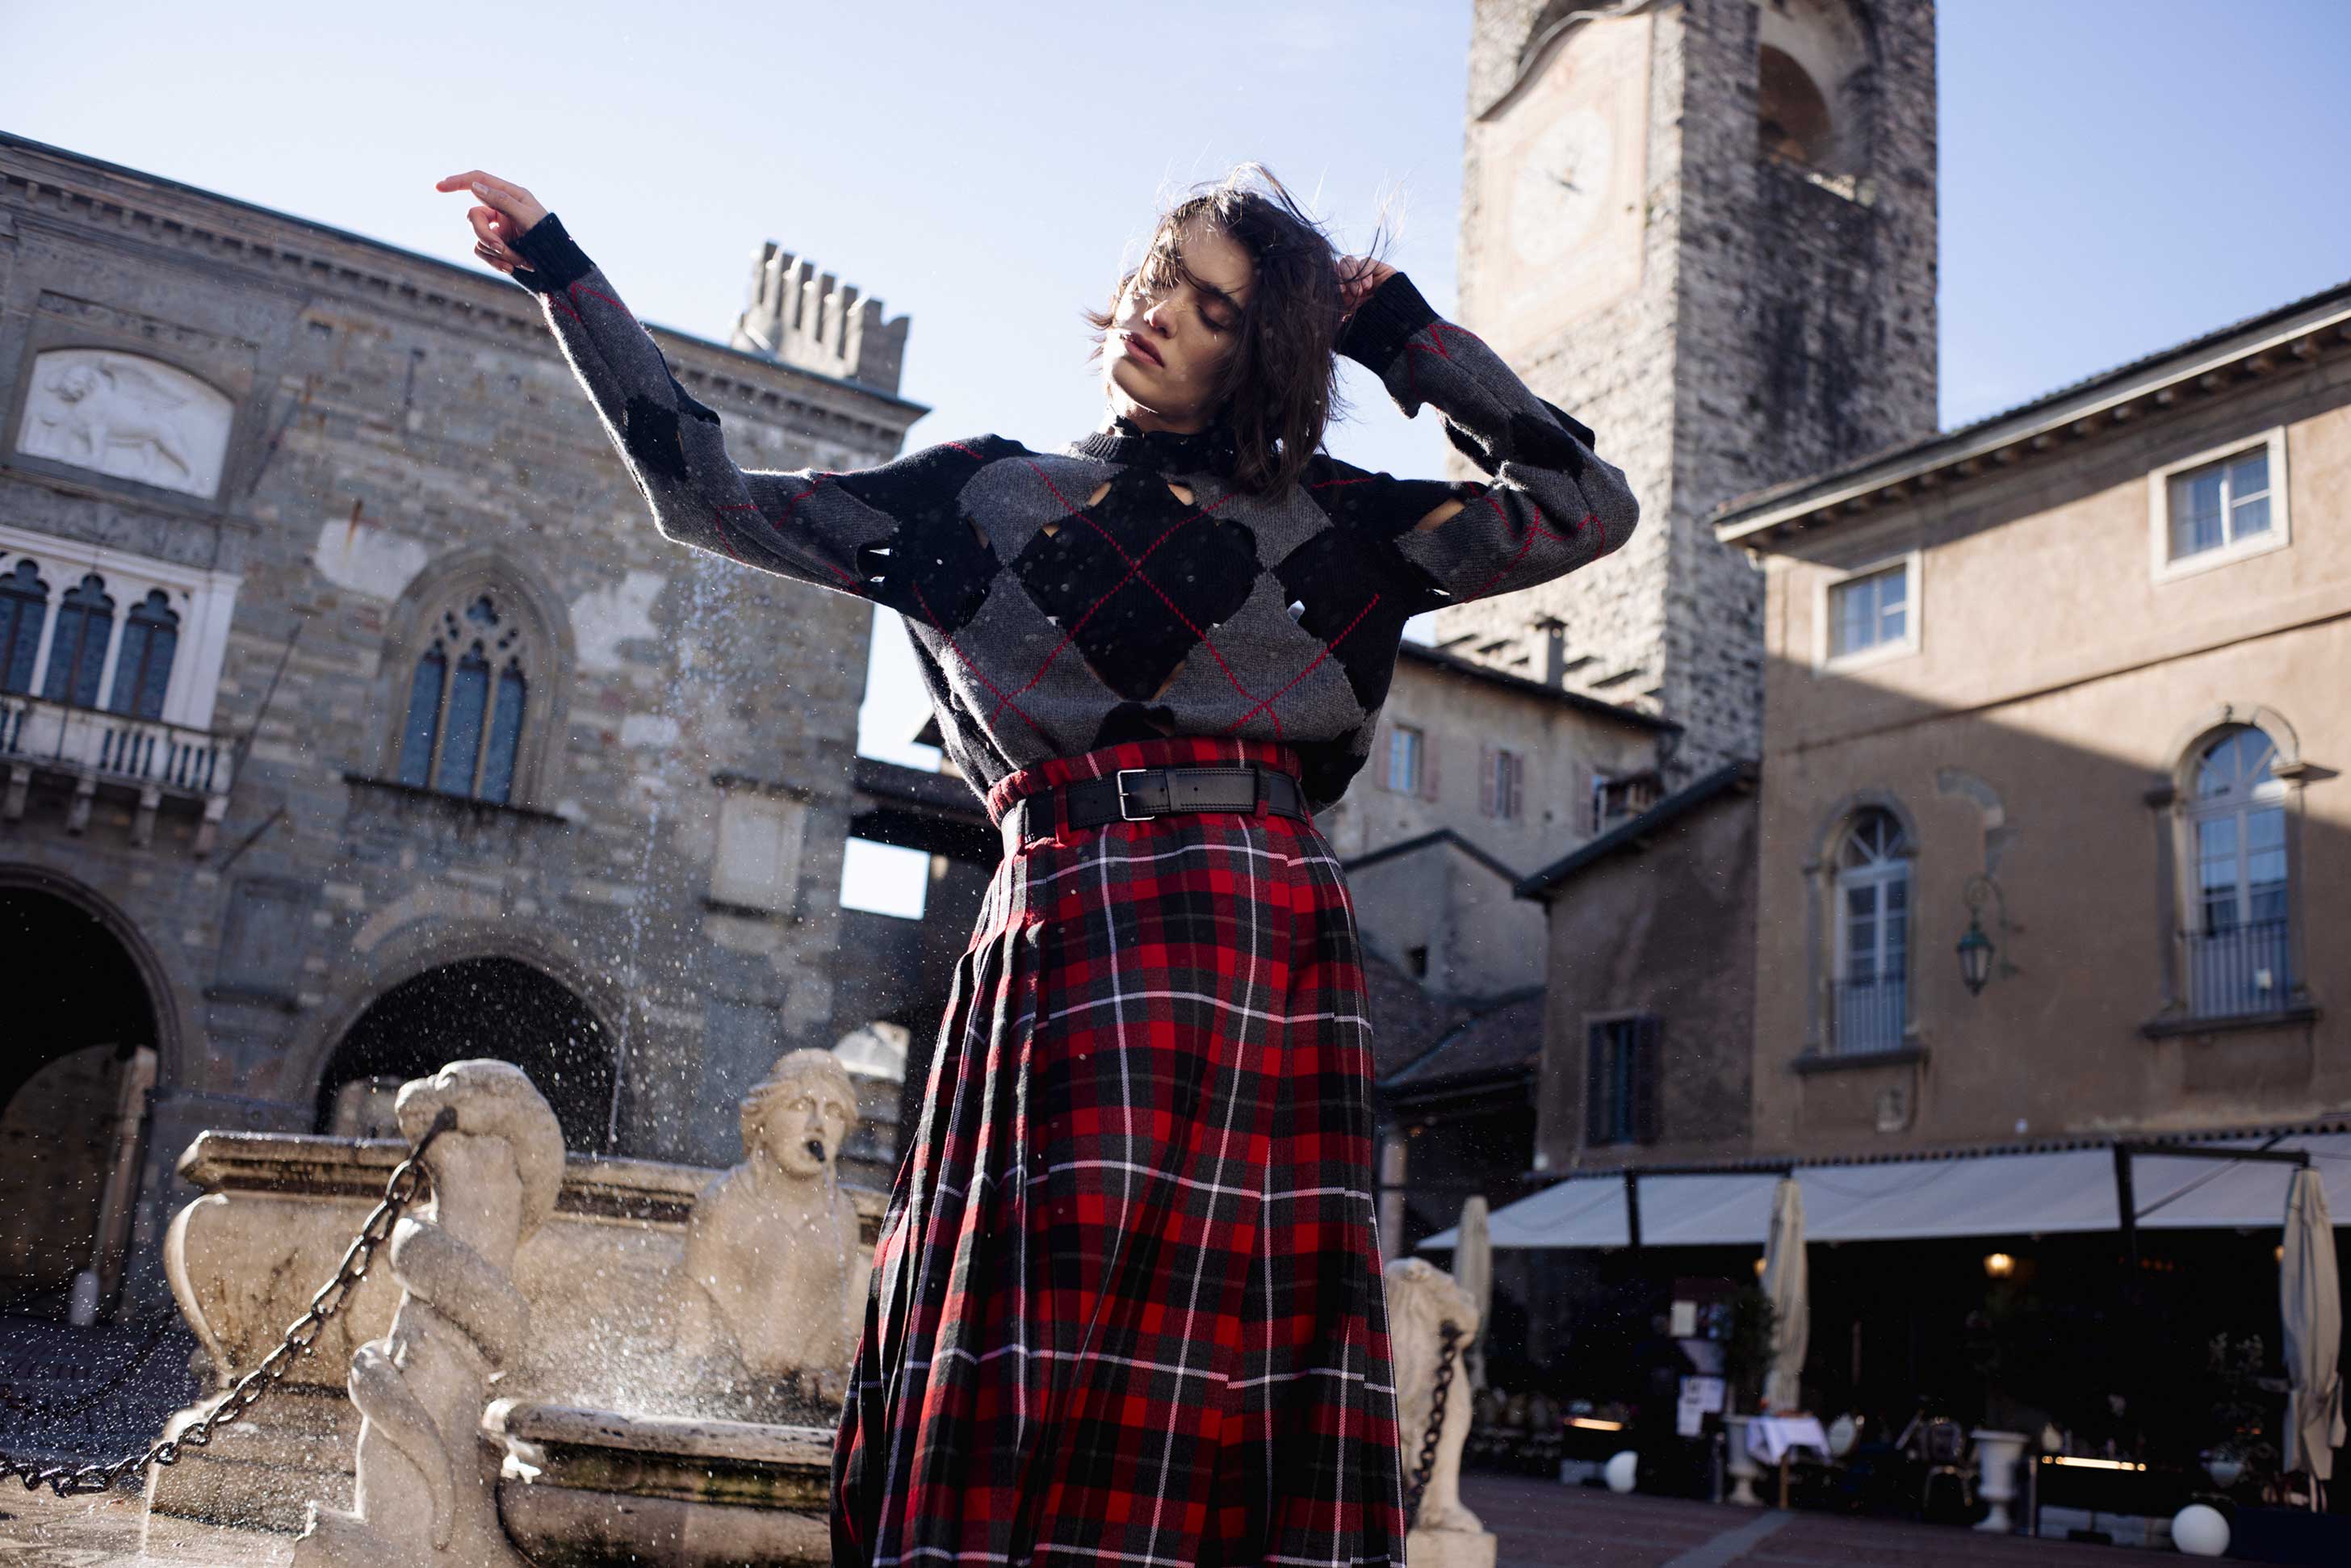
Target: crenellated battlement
{"points": [[812, 320]]}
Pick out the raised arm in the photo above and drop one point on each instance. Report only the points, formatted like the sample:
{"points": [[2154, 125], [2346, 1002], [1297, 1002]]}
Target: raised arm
{"points": [[1548, 504], [830, 530]]}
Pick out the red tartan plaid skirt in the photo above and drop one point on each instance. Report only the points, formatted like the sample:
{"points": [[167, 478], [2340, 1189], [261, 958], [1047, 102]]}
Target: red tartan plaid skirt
{"points": [[1127, 1302]]}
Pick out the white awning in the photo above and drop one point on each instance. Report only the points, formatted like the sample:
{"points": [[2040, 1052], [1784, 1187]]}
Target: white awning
{"points": [[2070, 1190]]}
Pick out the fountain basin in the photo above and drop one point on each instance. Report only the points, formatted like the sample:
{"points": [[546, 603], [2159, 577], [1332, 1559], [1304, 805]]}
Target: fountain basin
{"points": [[583, 1487], [277, 1211]]}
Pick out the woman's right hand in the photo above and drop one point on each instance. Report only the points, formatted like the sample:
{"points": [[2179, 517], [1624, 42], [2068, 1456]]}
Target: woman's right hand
{"points": [[507, 214]]}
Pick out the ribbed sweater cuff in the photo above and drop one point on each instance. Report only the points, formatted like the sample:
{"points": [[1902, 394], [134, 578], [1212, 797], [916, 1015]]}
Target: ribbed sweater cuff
{"points": [[554, 263], [1376, 333]]}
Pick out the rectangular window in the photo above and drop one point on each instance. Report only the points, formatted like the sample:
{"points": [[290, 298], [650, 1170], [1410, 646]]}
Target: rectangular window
{"points": [[1501, 787], [1615, 800], [1405, 745], [1621, 1081], [1869, 611], [2220, 504], [2216, 506]]}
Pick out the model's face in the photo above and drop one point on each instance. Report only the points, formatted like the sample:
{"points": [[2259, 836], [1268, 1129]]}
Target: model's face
{"points": [[1169, 340]]}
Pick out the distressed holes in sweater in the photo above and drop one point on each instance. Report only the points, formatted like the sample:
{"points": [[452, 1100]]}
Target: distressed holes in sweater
{"points": [[1181, 491]]}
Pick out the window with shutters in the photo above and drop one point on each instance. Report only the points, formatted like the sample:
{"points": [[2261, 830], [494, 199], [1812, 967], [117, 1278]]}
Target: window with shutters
{"points": [[1621, 1081], [1501, 791], [1407, 750], [1620, 799]]}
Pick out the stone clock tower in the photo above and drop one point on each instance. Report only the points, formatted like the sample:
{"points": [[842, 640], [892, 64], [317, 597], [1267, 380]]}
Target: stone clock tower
{"points": [[1706, 229]]}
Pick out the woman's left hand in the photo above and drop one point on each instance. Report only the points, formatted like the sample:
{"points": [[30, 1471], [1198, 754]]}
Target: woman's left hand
{"points": [[1358, 275]]}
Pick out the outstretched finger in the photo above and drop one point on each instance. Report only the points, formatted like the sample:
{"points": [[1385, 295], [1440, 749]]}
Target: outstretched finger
{"points": [[503, 195]]}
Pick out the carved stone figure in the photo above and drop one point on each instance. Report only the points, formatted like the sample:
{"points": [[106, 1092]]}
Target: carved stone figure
{"points": [[774, 1274], [134, 418], [423, 1496], [1422, 1298]]}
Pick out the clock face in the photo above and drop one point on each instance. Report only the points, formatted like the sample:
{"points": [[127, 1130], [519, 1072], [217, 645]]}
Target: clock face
{"points": [[1563, 180], [1562, 165]]}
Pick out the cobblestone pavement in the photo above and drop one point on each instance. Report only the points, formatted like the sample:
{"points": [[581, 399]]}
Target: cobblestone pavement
{"points": [[1539, 1524], [40, 1530]]}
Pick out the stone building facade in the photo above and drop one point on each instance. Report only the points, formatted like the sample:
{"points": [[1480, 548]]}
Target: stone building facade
{"points": [[1650, 1008], [2069, 678], [1707, 230], [1478, 776], [353, 716]]}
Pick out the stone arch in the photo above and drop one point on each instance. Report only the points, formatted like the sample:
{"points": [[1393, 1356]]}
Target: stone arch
{"points": [[424, 946], [1831, 826], [86, 1027], [2188, 744], [540, 639], [172, 1025], [491, 1006], [1816, 75]]}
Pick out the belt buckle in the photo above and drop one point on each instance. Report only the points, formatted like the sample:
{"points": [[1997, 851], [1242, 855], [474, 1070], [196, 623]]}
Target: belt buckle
{"points": [[1124, 814]]}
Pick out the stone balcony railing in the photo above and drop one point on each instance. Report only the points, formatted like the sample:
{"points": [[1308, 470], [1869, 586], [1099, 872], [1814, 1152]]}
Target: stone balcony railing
{"points": [[147, 757]]}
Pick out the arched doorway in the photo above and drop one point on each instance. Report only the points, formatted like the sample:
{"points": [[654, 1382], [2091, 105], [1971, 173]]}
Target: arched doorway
{"points": [[500, 1007], [73, 1104]]}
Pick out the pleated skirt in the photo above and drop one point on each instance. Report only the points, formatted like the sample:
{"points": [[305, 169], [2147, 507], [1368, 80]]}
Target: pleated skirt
{"points": [[1126, 1303]]}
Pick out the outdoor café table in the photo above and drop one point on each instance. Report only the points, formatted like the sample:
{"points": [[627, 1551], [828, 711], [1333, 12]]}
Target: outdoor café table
{"points": [[1772, 1438]]}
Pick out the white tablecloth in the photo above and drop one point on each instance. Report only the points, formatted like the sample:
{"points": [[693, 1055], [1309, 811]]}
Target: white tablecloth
{"points": [[1769, 1437]]}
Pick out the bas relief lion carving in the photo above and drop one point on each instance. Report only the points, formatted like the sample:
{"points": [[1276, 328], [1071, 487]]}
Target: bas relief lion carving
{"points": [[116, 414]]}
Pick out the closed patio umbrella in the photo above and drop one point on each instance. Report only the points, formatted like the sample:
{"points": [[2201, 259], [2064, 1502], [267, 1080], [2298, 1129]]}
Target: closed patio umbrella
{"points": [[1786, 1282], [2311, 1302], [1473, 1270]]}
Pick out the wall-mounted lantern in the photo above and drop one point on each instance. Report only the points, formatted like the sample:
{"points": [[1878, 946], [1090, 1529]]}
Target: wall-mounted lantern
{"points": [[2000, 1265], [1975, 957], [1980, 958]]}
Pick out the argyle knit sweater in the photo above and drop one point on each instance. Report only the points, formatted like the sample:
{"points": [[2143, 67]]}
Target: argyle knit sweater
{"points": [[1125, 588]]}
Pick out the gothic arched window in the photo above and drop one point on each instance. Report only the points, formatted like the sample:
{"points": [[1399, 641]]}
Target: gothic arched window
{"points": [[150, 636], [468, 697], [1872, 934], [24, 605], [77, 647], [2238, 942]]}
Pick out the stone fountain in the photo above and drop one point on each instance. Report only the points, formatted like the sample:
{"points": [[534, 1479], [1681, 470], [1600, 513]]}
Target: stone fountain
{"points": [[573, 1361], [629, 1402]]}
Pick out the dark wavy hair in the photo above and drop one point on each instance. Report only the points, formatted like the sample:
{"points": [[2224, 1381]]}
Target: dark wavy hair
{"points": [[1279, 387]]}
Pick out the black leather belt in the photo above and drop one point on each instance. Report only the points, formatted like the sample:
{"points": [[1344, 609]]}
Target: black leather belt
{"points": [[1139, 794]]}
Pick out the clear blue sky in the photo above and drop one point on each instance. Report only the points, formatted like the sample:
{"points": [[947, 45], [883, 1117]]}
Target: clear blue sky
{"points": [[2117, 175]]}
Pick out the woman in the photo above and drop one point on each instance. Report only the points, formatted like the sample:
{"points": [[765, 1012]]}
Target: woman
{"points": [[1126, 1304]]}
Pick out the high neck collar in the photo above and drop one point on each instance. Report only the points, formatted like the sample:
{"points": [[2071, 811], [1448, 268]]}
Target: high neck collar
{"points": [[1209, 451]]}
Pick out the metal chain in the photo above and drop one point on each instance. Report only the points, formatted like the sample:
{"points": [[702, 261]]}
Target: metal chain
{"points": [[408, 1179], [1426, 1467]]}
